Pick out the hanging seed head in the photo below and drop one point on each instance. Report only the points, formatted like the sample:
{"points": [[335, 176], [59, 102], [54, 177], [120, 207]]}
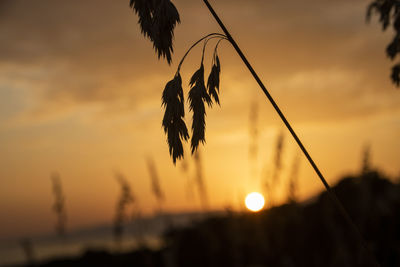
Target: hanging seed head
{"points": [[173, 123], [144, 9], [197, 96], [158, 19], [173, 102], [213, 80]]}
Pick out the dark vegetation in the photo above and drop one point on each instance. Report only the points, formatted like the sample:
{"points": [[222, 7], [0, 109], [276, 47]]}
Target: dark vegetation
{"points": [[389, 15], [294, 234]]}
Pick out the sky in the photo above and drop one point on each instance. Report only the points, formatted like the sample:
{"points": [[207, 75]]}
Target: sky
{"points": [[80, 94]]}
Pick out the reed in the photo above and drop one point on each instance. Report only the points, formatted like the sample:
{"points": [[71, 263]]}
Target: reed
{"points": [[253, 136], [155, 184], [125, 199], [28, 250], [293, 181], [59, 207], [200, 182], [366, 159], [189, 184]]}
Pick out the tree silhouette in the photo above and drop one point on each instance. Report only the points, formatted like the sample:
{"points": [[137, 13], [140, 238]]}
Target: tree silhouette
{"points": [[389, 15]]}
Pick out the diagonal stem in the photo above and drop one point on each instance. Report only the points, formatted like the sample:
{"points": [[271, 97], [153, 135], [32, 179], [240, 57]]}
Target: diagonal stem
{"points": [[296, 138]]}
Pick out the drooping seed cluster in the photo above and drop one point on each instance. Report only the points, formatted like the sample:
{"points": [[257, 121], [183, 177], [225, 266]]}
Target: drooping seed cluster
{"points": [[199, 95], [157, 19]]}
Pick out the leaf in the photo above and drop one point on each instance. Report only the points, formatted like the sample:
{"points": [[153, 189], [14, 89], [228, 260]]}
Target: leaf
{"points": [[197, 96], [213, 81], [173, 123], [158, 19]]}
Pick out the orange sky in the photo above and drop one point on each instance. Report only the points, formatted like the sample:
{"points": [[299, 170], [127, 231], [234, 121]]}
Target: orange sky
{"points": [[80, 93]]}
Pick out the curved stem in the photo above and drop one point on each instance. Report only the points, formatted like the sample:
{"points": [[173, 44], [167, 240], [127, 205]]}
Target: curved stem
{"points": [[216, 47], [198, 41], [205, 44]]}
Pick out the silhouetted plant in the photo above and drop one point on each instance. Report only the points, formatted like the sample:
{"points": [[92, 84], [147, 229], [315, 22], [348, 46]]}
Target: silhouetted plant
{"points": [[59, 205], [126, 198], [157, 19], [189, 181], [253, 135], [173, 101], [366, 160], [272, 176], [267, 186], [389, 14], [155, 184], [294, 180], [201, 186], [278, 157]]}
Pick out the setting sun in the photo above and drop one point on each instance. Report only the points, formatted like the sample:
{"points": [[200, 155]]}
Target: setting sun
{"points": [[254, 201]]}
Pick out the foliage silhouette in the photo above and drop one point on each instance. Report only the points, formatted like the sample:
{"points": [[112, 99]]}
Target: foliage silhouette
{"points": [[389, 13]]}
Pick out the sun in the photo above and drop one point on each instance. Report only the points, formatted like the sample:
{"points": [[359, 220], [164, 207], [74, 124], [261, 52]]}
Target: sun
{"points": [[254, 201]]}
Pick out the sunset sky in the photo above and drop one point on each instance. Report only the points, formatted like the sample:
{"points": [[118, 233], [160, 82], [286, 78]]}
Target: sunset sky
{"points": [[80, 94]]}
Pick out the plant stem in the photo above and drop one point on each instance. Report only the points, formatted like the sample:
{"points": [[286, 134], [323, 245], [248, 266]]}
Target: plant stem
{"points": [[289, 127], [206, 42], [198, 41], [216, 48]]}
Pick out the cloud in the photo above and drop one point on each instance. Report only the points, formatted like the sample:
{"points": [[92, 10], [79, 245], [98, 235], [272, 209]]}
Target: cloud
{"points": [[82, 52], [77, 53]]}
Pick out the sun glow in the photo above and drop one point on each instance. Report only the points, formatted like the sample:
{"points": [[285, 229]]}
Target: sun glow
{"points": [[254, 201]]}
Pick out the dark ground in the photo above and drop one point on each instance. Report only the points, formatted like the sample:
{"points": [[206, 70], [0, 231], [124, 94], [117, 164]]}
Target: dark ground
{"points": [[293, 234]]}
